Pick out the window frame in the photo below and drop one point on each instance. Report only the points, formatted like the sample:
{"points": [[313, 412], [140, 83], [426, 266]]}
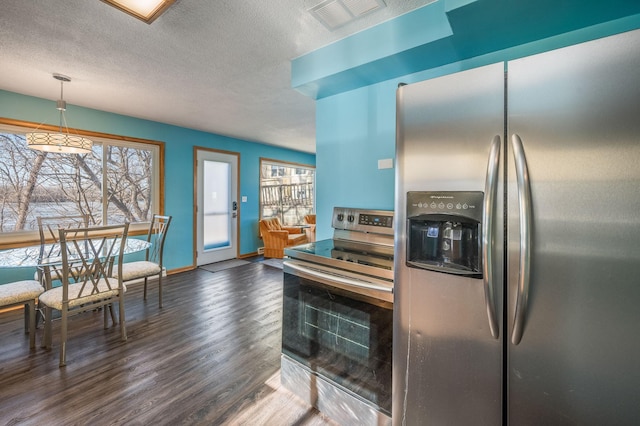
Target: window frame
{"points": [[281, 164], [30, 237]]}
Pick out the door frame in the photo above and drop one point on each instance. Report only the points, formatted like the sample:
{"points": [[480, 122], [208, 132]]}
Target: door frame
{"points": [[196, 150]]}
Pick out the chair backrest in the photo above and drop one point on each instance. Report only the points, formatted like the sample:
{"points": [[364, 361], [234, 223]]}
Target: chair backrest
{"points": [[158, 228], [88, 256], [310, 219], [270, 224], [49, 227]]}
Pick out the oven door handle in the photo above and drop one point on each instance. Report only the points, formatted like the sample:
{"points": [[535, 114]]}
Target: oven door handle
{"points": [[338, 278]]}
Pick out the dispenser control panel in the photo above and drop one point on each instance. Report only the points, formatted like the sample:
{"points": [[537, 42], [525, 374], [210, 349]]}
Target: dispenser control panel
{"points": [[458, 203]]}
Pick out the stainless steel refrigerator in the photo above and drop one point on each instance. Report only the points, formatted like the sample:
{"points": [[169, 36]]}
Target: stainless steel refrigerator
{"points": [[517, 264]]}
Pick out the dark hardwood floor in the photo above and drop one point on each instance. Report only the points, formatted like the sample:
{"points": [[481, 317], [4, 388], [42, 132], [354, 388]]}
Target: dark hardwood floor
{"points": [[210, 356]]}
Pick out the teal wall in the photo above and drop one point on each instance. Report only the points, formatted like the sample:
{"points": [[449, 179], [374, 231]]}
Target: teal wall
{"points": [[356, 129], [179, 143], [355, 108]]}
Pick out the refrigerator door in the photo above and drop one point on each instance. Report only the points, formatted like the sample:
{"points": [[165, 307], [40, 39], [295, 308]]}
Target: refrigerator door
{"points": [[574, 358], [447, 363]]}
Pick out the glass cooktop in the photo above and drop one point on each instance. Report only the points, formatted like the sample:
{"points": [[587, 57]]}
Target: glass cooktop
{"points": [[348, 255]]}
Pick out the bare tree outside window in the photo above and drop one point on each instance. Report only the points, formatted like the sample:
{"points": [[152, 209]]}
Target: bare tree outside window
{"points": [[35, 183], [129, 173]]}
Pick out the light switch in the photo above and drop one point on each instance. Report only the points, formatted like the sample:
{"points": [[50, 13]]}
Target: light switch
{"points": [[386, 163], [244, 198]]}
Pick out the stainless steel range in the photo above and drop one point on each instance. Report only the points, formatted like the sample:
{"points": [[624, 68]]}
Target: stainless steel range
{"points": [[338, 318]]}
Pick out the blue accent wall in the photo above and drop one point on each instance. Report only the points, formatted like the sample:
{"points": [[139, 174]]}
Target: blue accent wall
{"points": [[355, 130], [179, 143], [354, 80]]}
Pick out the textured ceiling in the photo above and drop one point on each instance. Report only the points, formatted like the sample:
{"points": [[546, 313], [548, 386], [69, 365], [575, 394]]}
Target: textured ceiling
{"points": [[221, 66]]}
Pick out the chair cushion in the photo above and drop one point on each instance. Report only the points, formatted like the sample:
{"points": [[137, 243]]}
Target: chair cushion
{"points": [[295, 239], [135, 270], [53, 297], [19, 291]]}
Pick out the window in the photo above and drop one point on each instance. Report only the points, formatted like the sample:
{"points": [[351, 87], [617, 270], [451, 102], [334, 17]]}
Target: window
{"points": [[117, 182], [287, 191]]}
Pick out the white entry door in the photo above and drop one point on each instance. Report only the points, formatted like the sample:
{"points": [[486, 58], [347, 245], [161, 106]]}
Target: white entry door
{"points": [[217, 206]]}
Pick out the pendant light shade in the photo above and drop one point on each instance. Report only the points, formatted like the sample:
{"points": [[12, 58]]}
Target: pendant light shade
{"points": [[63, 141], [59, 142]]}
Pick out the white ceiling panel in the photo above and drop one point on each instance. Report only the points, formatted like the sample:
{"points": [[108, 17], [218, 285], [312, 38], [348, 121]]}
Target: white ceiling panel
{"points": [[219, 66]]}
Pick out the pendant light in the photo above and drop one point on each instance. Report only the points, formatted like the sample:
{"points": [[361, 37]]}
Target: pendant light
{"points": [[63, 141]]}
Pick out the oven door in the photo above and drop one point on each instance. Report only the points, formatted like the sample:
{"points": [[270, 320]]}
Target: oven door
{"points": [[335, 327]]}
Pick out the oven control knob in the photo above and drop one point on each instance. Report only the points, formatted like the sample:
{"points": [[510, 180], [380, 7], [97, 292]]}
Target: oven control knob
{"points": [[351, 218], [340, 217]]}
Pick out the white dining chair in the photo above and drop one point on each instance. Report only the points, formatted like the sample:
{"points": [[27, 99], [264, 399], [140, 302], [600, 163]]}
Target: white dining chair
{"points": [[23, 293], [88, 281], [48, 229], [152, 265]]}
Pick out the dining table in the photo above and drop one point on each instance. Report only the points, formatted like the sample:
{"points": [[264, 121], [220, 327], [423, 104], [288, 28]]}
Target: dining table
{"points": [[36, 256], [43, 257]]}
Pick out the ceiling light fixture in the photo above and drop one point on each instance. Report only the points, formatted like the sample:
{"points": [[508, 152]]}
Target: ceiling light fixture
{"points": [[337, 13], [59, 142], [145, 10]]}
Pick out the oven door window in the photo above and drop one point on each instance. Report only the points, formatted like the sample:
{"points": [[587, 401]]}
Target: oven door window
{"points": [[342, 336]]}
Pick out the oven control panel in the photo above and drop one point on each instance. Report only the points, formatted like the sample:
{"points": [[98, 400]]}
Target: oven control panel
{"points": [[362, 220], [376, 220]]}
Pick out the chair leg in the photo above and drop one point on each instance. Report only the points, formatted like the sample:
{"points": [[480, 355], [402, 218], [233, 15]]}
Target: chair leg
{"points": [[46, 339], [105, 319], [27, 308], [160, 290], [113, 315], [39, 315], [32, 324], [123, 327], [145, 288], [63, 338]]}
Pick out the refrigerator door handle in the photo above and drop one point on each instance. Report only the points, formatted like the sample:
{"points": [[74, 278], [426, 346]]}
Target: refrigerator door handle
{"points": [[488, 207], [525, 209]]}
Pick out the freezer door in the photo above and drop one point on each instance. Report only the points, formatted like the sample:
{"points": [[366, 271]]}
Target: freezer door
{"points": [[577, 113], [446, 361]]}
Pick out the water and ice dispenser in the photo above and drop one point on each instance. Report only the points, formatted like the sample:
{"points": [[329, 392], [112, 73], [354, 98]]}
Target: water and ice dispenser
{"points": [[444, 231]]}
